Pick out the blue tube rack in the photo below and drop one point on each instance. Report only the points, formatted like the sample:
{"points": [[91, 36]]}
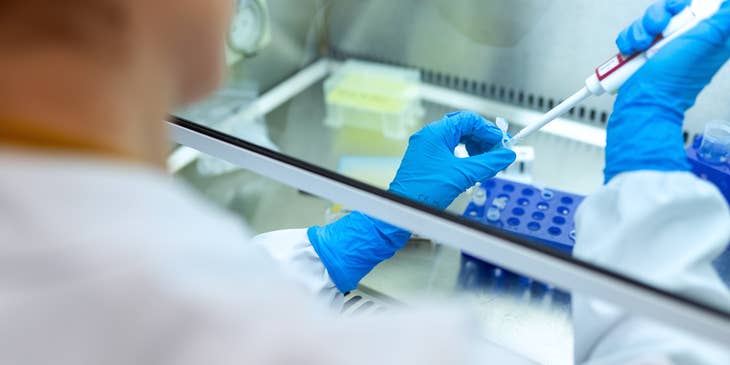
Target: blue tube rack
{"points": [[545, 216], [540, 215], [549, 220]]}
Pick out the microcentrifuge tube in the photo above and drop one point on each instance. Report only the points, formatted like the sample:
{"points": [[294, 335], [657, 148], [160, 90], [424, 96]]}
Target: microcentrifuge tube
{"points": [[493, 214], [500, 203], [545, 193], [479, 195], [503, 125], [715, 147]]}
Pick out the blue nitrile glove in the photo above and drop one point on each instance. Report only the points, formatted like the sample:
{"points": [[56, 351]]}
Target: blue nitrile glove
{"points": [[645, 129], [430, 174]]}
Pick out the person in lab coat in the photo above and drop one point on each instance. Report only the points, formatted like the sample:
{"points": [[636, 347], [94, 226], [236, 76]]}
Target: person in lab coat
{"points": [[106, 259]]}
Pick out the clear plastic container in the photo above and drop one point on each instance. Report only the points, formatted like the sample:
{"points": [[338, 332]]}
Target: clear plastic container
{"points": [[374, 97], [479, 195], [715, 147]]}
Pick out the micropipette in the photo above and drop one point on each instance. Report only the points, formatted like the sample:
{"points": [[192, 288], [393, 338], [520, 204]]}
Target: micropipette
{"points": [[612, 74]]}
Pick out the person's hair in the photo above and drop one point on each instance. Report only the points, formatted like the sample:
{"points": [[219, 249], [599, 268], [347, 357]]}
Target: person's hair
{"points": [[77, 23]]}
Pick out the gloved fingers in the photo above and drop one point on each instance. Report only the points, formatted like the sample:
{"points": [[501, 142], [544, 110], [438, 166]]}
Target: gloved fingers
{"points": [[483, 139], [716, 30], [676, 6], [469, 128], [482, 143], [643, 32], [481, 167], [696, 56]]}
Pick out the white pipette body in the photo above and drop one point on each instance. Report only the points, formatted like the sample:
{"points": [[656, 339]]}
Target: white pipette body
{"points": [[612, 74], [553, 114]]}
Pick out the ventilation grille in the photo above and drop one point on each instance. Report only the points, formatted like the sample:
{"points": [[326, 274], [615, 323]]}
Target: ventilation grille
{"points": [[503, 93]]}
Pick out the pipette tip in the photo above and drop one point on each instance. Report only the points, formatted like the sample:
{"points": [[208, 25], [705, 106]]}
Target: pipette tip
{"points": [[510, 143]]}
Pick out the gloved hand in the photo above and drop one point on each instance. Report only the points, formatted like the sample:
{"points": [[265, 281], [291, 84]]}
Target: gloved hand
{"points": [[430, 174], [645, 129]]}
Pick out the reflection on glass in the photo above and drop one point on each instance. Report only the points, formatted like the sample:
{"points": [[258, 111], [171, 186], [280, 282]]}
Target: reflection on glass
{"points": [[536, 198], [357, 118], [528, 316]]}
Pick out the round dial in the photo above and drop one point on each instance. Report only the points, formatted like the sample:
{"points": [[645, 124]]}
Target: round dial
{"points": [[249, 27]]}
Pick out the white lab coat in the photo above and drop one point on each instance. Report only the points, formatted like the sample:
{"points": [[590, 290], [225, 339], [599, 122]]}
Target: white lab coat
{"points": [[109, 263]]}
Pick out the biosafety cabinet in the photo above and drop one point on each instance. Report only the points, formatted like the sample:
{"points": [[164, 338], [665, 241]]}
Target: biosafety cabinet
{"points": [[322, 96]]}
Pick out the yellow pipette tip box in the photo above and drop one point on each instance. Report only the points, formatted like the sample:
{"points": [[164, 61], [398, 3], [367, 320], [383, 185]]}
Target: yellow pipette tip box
{"points": [[374, 97]]}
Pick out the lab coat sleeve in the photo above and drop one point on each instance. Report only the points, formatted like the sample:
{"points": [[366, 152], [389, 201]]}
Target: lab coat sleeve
{"points": [[300, 262], [388, 336], [115, 265], [663, 229]]}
